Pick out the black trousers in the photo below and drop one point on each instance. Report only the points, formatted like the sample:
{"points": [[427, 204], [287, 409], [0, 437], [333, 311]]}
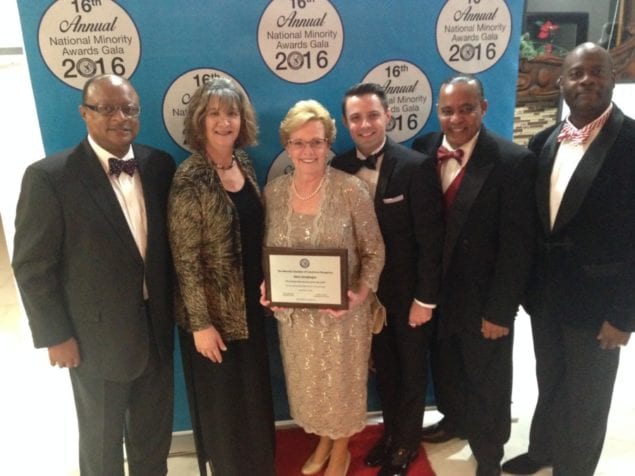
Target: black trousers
{"points": [[138, 412], [399, 355], [575, 388], [473, 386]]}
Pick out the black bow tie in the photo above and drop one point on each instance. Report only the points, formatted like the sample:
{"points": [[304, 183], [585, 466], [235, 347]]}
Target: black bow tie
{"points": [[371, 160], [117, 166]]}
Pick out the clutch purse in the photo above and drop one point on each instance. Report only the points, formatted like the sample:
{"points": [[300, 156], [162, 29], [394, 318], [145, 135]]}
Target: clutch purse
{"points": [[377, 313]]}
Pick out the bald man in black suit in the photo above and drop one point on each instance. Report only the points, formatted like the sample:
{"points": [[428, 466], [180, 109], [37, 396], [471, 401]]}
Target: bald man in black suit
{"points": [[93, 266]]}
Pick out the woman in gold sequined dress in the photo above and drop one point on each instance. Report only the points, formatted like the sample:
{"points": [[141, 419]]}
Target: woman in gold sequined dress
{"points": [[324, 352]]}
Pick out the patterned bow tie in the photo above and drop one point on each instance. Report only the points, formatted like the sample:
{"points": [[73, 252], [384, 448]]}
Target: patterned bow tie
{"points": [[117, 166], [573, 135], [444, 154]]}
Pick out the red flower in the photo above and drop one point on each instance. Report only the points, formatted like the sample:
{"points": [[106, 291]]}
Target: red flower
{"points": [[547, 29]]}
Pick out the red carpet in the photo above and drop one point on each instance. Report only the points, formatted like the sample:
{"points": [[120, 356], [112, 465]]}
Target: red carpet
{"points": [[294, 447]]}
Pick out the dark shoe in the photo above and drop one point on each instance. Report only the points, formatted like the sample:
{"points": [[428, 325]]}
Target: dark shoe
{"points": [[379, 454], [398, 463], [523, 464], [488, 470], [439, 433]]}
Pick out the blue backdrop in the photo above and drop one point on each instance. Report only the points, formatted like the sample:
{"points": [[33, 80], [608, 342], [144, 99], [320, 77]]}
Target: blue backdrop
{"points": [[279, 52]]}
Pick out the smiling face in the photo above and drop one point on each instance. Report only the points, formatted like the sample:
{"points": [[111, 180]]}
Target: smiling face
{"points": [[308, 149], [460, 110], [587, 83], [222, 125], [366, 120], [114, 133]]}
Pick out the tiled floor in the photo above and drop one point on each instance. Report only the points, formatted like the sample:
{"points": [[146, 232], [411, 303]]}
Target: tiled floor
{"points": [[38, 434]]}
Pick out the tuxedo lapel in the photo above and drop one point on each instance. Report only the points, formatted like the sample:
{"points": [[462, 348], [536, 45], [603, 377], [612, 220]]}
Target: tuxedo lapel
{"points": [[150, 193], [587, 170], [543, 178], [90, 173], [385, 172], [477, 170]]}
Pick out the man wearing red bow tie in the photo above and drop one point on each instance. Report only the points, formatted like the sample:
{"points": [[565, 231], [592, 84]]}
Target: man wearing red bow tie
{"points": [[92, 263], [489, 208], [581, 295]]}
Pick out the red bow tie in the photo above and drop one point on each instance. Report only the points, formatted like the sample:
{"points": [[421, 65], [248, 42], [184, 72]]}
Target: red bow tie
{"points": [[117, 166], [575, 136], [444, 154]]}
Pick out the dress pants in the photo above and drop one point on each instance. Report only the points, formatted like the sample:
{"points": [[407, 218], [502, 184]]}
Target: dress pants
{"points": [[575, 388], [473, 386], [139, 411], [400, 357]]}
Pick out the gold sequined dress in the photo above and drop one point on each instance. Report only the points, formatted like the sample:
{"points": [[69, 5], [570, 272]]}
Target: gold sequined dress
{"points": [[326, 360]]}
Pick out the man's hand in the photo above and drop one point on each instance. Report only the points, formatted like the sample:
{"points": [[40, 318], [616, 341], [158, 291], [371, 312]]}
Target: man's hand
{"points": [[611, 337], [209, 343], [419, 315], [493, 331], [65, 354]]}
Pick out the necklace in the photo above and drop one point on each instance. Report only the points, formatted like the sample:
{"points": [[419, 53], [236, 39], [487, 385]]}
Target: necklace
{"points": [[223, 167], [304, 198]]}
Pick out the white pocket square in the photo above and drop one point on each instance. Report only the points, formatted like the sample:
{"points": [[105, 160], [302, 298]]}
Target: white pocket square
{"points": [[396, 199]]}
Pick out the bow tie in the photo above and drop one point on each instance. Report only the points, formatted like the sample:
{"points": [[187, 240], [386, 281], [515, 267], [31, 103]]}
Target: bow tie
{"points": [[444, 154], [117, 166], [575, 136], [371, 160]]}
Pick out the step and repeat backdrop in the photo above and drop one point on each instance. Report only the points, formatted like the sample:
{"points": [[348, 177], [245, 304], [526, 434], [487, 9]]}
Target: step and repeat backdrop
{"points": [[278, 52]]}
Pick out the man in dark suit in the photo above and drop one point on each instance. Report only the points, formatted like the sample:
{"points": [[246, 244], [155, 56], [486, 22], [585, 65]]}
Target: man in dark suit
{"points": [[581, 296], [93, 266], [488, 200], [408, 206]]}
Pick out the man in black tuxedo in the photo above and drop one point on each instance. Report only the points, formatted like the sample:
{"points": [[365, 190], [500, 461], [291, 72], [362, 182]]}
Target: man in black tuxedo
{"points": [[581, 296], [407, 201], [488, 200], [93, 266]]}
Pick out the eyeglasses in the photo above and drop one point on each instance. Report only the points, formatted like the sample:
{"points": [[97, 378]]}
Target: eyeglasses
{"points": [[314, 144], [110, 109]]}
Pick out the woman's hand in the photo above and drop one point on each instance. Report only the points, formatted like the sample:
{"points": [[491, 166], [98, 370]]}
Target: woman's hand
{"points": [[263, 295], [354, 300], [209, 343], [266, 302]]}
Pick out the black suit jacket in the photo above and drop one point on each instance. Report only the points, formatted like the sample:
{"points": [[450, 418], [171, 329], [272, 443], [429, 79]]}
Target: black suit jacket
{"points": [[78, 268], [585, 271], [408, 206], [489, 234]]}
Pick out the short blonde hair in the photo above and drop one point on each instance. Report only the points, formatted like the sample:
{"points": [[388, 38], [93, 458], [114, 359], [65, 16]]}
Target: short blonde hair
{"points": [[229, 96], [303, 112]]}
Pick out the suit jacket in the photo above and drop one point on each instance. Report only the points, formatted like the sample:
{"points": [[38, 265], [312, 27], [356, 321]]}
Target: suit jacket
{"points": [[204, 232], [408, 204], [79, 270], [489, 238], [585, 271]]}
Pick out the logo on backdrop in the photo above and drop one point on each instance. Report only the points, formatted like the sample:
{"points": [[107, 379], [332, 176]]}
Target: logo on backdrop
{"points": [[79, 39], [300, 40], [409, 97], [472, 35]]}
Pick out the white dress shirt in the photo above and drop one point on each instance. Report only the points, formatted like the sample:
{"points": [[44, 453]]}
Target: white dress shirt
{"points": [[567, 160], [129, 193], [449, 169]]}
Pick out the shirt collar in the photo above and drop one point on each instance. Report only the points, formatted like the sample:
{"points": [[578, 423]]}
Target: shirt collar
{"points": [[363, 157], [467, 148], [103, 155], [599, 122]]}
